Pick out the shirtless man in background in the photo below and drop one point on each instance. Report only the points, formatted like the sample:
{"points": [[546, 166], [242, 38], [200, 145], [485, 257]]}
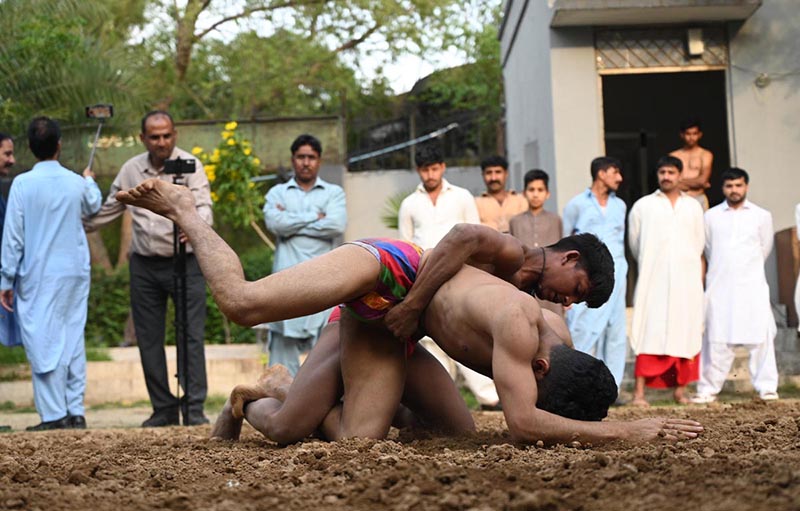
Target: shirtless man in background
{"points": [[697, 162], [480, 320]]}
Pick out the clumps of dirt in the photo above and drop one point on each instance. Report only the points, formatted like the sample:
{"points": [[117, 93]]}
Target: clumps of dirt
{"points": [[748, 458]]}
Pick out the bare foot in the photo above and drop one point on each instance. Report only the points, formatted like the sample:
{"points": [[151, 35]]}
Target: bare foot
{"points": [[243, 394], [275, 381], [160, 197], [227, 427], [680, 396], [640, 401]]}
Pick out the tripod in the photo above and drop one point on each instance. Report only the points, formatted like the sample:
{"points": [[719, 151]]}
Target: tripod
{"points": [[181, 314]]}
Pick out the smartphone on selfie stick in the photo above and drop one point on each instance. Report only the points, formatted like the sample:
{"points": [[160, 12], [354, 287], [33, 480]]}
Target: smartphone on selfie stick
{"points": [[101, 112]]}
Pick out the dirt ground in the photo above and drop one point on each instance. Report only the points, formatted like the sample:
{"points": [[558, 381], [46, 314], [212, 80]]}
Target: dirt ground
{"points": [[748, 458]]}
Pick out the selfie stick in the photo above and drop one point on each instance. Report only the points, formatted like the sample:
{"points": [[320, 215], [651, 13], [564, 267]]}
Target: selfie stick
{"points": [[94, 145]]}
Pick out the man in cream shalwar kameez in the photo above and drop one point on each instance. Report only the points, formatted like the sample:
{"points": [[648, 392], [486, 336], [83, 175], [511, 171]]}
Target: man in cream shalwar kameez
{"points": [[665, 234], [738, 240]]}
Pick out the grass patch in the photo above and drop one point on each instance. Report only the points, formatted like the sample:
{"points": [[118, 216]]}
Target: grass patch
{"points": [[469, 398], [16, 355]]}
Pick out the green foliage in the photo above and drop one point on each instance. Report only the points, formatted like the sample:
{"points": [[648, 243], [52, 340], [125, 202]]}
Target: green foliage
{"points": [[391, 208], [54, 61], [230, 167], [109, 303]]}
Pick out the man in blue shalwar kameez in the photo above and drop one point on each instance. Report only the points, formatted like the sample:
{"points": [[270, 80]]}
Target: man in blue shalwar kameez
{"points": [[45, 275], [602, 332]]}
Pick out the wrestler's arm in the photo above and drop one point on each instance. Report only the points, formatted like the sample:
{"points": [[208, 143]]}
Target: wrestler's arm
{"points": [[476, 245], [516, 385]]}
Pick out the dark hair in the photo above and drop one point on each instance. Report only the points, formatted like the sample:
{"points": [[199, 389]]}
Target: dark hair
{"points": [[595, 260], [669, 161], [428, 154], [577, 386], [4, 137], [603, 163], [537, 174], [494, 161], [157, 113], [729, 175], [43, 137], [306, 139], [692, 122]]}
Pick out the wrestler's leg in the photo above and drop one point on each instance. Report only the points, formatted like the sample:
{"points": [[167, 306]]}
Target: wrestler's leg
{"points": [[373, 372], [312, 286], [433, 397], [313, 392]]}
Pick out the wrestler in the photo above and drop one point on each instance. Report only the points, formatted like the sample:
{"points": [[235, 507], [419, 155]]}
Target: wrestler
{"points": [[373, 364]]}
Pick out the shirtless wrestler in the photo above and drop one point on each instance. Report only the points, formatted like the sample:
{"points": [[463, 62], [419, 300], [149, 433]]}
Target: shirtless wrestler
{"points": [[373, 363], [697, 162]]}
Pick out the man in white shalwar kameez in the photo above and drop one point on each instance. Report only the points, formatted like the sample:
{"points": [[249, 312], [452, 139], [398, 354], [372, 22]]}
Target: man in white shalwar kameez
{"points": [[45, 275], [739, 238], [797, 286], [665, 234]]}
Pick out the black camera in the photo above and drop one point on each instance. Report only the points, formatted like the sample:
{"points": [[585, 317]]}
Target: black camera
{"points": [[179, 166]]}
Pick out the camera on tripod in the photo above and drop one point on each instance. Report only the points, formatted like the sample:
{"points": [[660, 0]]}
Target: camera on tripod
{"points": [[179, 166]]}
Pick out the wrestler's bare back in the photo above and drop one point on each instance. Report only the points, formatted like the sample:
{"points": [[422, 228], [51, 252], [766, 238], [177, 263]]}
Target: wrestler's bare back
{"points": [[463, 313]]}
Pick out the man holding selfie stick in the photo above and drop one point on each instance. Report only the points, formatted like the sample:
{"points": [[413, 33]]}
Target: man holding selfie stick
{"points": [[152, 270]]}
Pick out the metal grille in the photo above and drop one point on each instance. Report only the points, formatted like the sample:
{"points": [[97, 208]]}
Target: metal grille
{"points": [[657, 48]]}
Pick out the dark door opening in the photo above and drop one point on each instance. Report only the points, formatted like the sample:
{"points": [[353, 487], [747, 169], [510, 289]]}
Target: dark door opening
{"points": [[642, 114]]}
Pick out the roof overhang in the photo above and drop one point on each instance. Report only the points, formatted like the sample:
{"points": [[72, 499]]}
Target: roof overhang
{"points": [[582, 13]]}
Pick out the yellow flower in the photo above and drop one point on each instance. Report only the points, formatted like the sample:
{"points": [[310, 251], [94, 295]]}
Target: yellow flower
{"points": [[210, 174], [197, 150], [251, 184], [231, 125], [227, 135], [231, 141], [231, 197], [214, 197], [256, 161], [214, 158], [247, 151]]}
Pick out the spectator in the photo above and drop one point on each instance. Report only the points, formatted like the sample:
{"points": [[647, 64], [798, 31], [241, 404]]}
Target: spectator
{"points": [[425, 217], [738, 311], [497, 205], [697, 162], [597, 210], [306, 214], [797, 285], [537, 227], [665, 234], [152, 271], [7, 321], [46, 273]]}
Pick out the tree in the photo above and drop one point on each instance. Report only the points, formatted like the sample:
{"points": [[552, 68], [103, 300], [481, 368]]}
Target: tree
{"points": [[330, 28], [56, 57]]}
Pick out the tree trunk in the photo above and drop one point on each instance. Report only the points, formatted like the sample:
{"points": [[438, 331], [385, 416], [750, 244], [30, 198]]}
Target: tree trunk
{"points": [[125, 235], [97, 251]]}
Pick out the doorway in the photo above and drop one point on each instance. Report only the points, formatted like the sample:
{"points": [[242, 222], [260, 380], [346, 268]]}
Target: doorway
{"points": [[642, 114]]}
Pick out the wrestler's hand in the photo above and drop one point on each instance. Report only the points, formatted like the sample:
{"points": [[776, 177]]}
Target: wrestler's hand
{"points": [[647, 430], [403, 322], [7, 299]]}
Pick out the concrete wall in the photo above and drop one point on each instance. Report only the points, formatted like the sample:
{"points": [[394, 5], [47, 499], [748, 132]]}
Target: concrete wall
{"points": [[525, 53], [554, 112], [577, 108], [368, 194], [764, 121]]}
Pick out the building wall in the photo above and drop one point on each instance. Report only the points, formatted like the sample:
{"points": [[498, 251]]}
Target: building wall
{"points": [[368, 194], [525, 51], [577, 104], [554, 112], [764, 121]]}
